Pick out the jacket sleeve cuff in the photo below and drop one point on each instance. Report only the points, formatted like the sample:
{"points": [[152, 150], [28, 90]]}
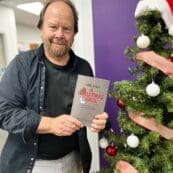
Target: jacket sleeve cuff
{"points": [[32, 122]]}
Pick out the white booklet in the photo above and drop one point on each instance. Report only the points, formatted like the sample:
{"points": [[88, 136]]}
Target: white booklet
{"points": [[89, 98]]}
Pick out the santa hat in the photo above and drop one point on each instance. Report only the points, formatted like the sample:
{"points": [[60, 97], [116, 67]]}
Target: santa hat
{"points": [[164, 6]]}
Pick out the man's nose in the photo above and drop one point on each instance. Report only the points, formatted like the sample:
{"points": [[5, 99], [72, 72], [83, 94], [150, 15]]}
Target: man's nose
{"points": [[59, 33]]}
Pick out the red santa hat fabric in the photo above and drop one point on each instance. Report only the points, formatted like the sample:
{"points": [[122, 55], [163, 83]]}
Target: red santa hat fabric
{"points": [[164, 6]]}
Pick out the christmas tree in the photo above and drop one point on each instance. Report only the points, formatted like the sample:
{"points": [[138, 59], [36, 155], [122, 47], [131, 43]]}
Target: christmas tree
{"points": [[145, 143]]}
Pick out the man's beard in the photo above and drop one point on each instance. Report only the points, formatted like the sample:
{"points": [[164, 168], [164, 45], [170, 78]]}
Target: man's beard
{"points": [[58, 48]]}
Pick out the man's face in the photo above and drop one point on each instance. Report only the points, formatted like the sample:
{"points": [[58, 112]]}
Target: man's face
{"points": [[57, 31]]}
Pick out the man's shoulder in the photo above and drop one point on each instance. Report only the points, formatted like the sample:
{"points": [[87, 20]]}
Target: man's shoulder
{"points": [[28, 54], [83, 61], [84, 66], [28, 57]]}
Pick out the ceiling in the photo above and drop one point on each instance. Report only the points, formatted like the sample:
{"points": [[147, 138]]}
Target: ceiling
{"points": [[22, 17]]}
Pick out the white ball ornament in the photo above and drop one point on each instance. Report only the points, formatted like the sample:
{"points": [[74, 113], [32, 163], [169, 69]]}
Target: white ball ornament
{"points": [[153, 89], [171, 30], [143, 41], [132, 141], [103, 143]]}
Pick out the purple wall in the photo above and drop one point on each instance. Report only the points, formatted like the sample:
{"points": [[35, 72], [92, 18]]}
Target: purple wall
{"points": [[114, 28]]}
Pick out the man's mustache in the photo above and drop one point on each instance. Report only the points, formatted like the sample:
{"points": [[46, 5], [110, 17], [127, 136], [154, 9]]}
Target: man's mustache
{"points": [[59, 42]]}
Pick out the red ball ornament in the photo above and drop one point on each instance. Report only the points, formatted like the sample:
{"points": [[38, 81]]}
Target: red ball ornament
{"points": [[171, 59], [111, 150], [120, 103]]}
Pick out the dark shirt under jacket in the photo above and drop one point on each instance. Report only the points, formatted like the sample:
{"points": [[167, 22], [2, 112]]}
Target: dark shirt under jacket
{"points": [[58, 100], [22, 90]]}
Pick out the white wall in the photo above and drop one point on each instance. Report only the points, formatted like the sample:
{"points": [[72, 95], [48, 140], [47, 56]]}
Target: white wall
{"points": [[84, 47], [8, 29], [26, 35], [2, 52], [84, 42]]}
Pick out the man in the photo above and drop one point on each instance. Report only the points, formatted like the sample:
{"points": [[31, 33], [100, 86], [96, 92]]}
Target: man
{"points": [[36, 94]]}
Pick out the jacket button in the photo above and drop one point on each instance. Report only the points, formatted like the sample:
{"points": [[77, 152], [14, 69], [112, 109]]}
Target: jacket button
{"points": [[32, 158], [29, 171]]}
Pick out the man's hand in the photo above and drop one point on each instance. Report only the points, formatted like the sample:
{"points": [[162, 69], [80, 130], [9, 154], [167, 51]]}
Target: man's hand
{"points": [[63, 125], [99, 122], [125, 167]]}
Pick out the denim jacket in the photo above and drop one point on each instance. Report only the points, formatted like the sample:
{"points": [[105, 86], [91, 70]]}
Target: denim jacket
{"points": [[21, 105]]}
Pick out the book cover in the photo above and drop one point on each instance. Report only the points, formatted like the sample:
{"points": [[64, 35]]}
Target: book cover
{"points": [[89, 98]]}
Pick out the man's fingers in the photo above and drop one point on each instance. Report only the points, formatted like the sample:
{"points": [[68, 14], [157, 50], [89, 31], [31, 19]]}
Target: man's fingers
{"points": [[65, 125], [98, 126], [102, 116], [99, 122]]}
